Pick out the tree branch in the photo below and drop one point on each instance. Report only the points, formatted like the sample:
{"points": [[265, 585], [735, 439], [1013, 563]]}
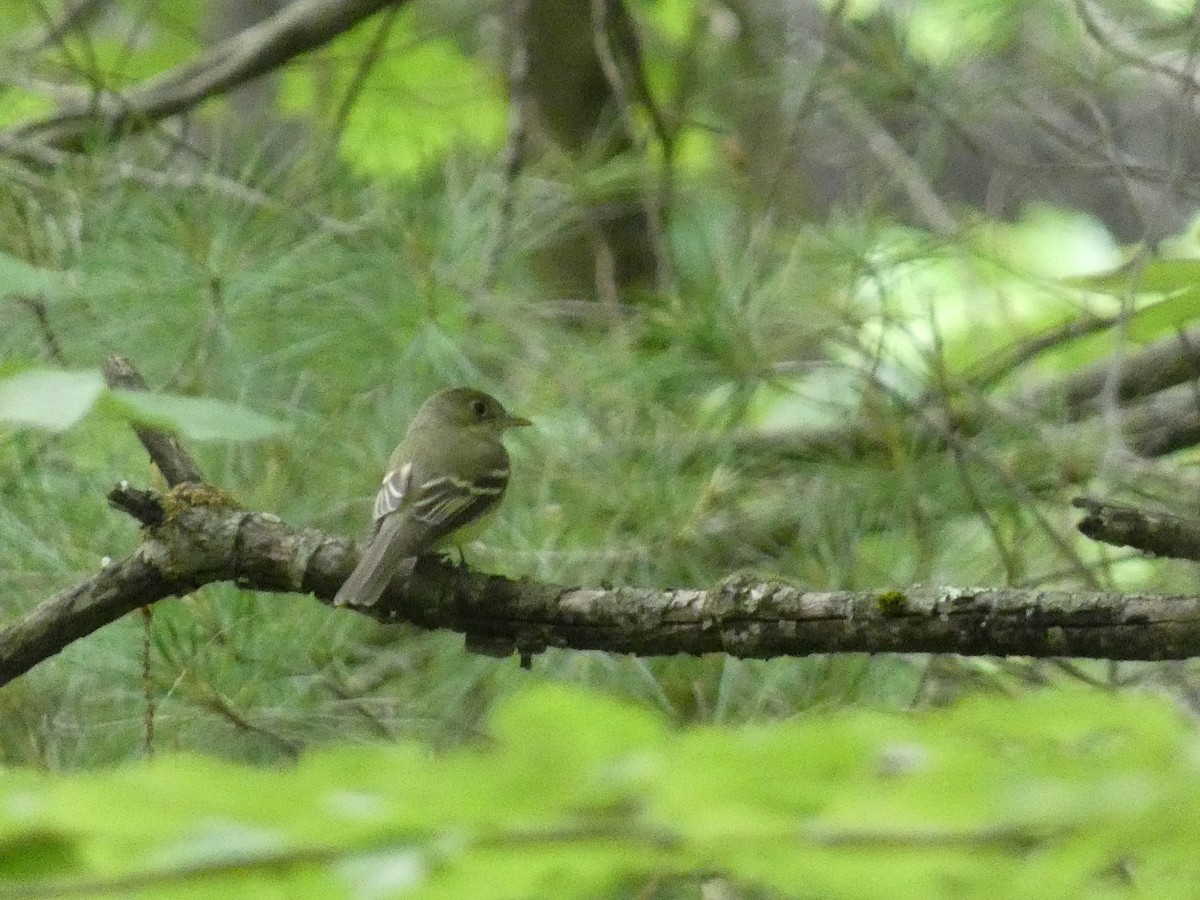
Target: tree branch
{"points": [[175, 463], [297, 28], [204, 538], [1159, 533], [1158, 388], [196, 535], [1168, 361]]}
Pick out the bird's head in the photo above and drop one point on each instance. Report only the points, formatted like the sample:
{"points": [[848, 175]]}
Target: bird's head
{"points": [[463, 407]]}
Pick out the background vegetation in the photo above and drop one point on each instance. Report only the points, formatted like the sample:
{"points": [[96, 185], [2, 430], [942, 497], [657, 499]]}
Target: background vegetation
{"points": [[839, 356]]}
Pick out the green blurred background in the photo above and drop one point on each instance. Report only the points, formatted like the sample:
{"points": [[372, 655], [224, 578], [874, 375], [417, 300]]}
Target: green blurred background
{"points": [[799, 290]]}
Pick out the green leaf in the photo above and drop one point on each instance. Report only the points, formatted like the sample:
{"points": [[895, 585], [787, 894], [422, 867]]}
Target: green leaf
{"points": [[1171, 314], [196, 418], [19, 277], [44, 398], [37, 854], [1159, 276], [56, 400], [861, 804]]}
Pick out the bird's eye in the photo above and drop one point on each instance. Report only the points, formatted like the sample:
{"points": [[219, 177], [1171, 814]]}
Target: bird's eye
{"points": [[479, 408]]}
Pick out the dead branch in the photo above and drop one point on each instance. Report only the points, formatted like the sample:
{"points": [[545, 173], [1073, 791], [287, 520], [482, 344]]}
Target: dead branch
{"points": [[175, 463], [203, 538], [1150, 531], [197, 535]]}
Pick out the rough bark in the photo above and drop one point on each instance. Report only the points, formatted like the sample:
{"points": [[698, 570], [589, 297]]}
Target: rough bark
{"points": [[1157, 533], [196, 536]]}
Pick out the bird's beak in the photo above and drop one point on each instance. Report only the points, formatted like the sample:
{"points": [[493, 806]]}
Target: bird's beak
{"points": [[516, 422]]}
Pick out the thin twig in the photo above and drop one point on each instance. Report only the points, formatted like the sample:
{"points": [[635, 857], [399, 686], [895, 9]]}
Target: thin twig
{"points": [[37, 308], [372, 56], [147, 681], [73, 17], [175, 463]]}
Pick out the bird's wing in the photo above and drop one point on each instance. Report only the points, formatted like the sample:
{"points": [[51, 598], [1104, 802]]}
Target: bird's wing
{"points": [[447, 502], [413, 511], [444, 503], [391, 493]]}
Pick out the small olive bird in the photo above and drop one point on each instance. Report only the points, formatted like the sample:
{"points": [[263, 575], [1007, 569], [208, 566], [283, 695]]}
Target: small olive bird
{"points": [[443, 481]]}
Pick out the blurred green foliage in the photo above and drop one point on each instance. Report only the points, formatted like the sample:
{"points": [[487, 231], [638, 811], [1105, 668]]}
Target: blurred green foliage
{"points": [[423, 97], [336, 304], [1058, 795], [333, 292]]}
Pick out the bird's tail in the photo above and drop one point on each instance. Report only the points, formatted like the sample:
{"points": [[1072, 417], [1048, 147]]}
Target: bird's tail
{"points": [[397, 539]]}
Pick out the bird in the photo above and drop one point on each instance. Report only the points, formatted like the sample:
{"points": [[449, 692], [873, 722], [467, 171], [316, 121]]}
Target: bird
{"points": [[444, 482]]}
